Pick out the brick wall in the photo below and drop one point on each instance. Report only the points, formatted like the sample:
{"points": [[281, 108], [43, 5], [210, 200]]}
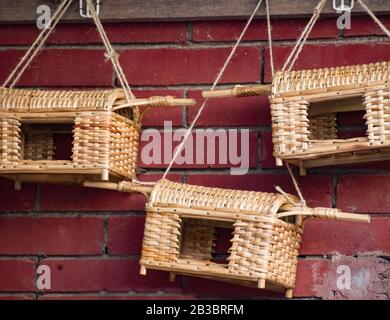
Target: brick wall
{"points": [[91, 239]]}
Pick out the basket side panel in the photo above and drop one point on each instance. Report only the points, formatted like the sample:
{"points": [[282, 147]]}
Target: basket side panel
{"points": [[377, 105], [91, 140], [249, 252], [124, 143], [266, 251], [161, 242], [290, 127], [284, 249], [10, 141]]}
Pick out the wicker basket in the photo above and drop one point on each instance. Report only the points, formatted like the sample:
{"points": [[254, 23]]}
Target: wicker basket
{"points": [[180, 235], [304, 108], [105, 134]]}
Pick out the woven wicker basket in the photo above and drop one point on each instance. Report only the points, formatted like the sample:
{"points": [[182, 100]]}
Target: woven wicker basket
{"points": [[304, 108], [105, 134], [180, 234]]}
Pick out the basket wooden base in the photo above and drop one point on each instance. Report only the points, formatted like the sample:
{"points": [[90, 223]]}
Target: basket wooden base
{"points": [[61, 175], [201, 269], [362, 156]]}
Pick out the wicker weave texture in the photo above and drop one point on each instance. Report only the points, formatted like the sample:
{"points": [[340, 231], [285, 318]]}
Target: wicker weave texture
{"points": [[290, 126], [38, 100], [311, 141], [38, 146], [377, 104], [302, 80], [323, 127], [10, 141], [102, 139], [180, 234]]}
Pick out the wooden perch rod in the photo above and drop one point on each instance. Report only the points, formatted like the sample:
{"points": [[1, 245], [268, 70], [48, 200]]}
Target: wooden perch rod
{"points": [[291, 210], [157, 101], [239, 91]]}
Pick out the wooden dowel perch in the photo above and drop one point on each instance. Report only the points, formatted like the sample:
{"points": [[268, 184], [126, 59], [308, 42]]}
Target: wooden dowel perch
{"points": [[323, 213], [239, 91], [158, 101], [123, 186]]}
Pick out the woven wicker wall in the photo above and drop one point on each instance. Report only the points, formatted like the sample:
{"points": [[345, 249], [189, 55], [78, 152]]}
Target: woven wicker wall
{"points": [[10, 141]]}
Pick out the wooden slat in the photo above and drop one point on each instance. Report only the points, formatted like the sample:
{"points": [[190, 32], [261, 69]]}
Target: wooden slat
{"points": [[155, 10]]}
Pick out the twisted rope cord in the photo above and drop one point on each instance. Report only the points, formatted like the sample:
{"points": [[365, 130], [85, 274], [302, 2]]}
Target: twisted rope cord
{"points": [[303, 37], [374, 17], [111, 54], [31, 53], [204, 104], [269, 27]]}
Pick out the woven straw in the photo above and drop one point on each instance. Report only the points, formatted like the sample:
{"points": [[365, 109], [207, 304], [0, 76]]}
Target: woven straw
{"points": [[303, 80], [180, 234], [105, 143], [310, 140]]}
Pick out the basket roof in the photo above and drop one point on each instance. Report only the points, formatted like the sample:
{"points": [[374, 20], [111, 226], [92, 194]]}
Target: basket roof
{"points": [[302, 80], [46, 101], [173, 194]]}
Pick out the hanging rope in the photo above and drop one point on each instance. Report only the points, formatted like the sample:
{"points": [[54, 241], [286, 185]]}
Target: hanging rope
{"points": [[31, 53], [269, 28], [220, 74], [374, 17], [110, 53], [303, 37]]}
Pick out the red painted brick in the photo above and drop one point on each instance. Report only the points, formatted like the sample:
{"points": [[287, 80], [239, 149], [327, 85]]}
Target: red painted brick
{"points": [[310, 276], [146, 155], [267, 160], [15, 297], [116, 297], [369, 279], [222, 290], [167, 66], [317, 190], [86, 33], [12, 200], [74, 236], [230, 112], [61, 67], [365, 26], [89, 199], [367, 194], [156, 116], [125, 235], [348, 238], [17, 275], [285, 29], [112, 275], [328, 55]]}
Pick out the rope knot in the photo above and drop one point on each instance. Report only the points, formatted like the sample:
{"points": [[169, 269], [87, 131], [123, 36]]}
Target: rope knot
{"points": [[158, 101], [302, 203], [242, 91], [112, 55], [325, 213]]}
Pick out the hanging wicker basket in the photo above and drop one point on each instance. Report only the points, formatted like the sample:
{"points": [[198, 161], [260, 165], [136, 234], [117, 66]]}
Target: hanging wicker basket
{"points": [[180, 234], [104, 131], [305, 105]]}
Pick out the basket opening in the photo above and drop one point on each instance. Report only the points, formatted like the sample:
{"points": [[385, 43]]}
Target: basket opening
{"points": [[339, 119], [205, 240], [46, 141]]}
